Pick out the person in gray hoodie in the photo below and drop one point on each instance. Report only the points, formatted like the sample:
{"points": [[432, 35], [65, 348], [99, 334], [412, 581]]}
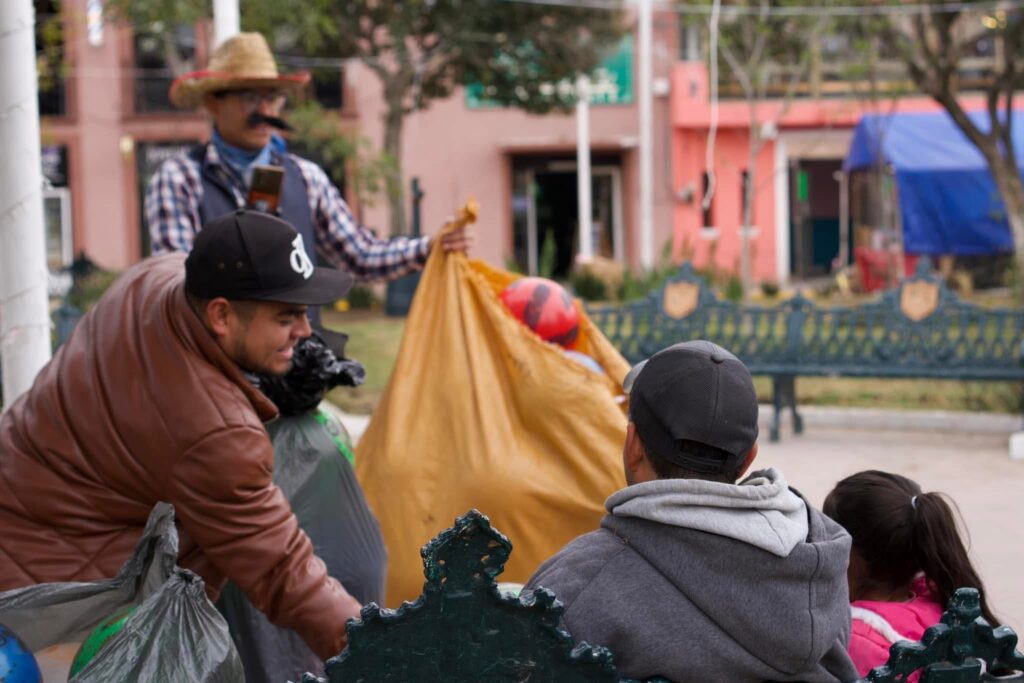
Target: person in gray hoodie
{"points": [[692, 576]]}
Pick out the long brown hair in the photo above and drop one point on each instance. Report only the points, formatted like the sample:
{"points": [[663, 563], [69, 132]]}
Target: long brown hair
{"points": [[899, 531]]}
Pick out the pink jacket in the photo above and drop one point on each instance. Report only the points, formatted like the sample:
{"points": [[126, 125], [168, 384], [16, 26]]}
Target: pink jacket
{"points": [[878, 625]]}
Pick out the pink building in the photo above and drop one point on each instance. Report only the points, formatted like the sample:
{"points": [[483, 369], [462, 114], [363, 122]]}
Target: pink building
{"points": [[797, 201], [102, 131], [521, 168], [107, 125]]}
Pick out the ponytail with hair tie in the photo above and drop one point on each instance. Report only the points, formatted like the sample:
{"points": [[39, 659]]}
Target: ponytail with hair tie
{"points": [[897, 544]]}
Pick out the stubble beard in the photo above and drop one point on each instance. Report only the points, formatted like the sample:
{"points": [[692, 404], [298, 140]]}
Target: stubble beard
{"points": [[243, 359]]}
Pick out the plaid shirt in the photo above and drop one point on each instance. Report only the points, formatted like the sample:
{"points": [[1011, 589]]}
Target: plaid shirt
{"points": [[175, 194]]}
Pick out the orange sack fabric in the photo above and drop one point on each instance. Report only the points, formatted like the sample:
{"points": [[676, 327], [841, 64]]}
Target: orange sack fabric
{"points": [[481, 413]]}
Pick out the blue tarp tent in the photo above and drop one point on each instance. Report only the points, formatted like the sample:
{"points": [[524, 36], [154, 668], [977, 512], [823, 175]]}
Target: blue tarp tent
{"points": [[949, 203]]}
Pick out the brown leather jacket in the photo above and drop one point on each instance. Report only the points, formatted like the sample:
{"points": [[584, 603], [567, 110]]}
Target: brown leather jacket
{"points": [[139, 406]]}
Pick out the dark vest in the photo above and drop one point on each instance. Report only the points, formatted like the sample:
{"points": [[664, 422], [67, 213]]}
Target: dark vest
{"points": [[293, 206]]}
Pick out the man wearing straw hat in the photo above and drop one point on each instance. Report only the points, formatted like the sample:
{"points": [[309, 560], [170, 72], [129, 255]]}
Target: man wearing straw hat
{"points": [[244, 95]]}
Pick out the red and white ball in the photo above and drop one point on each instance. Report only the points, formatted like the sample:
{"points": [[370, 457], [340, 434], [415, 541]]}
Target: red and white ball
{"points": [[546, 308]]}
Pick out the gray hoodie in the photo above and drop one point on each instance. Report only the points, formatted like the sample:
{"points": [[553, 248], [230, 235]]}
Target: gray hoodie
{"points": [[700, 581]]}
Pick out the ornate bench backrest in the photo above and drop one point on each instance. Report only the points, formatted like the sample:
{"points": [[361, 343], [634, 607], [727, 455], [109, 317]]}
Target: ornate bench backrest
{"points": [[463, 629], [960, 649], [919, 328], [686, 308]]}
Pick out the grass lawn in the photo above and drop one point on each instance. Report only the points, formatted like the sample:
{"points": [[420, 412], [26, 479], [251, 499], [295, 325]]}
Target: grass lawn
{"points": [[901, 394], [374, 339]]}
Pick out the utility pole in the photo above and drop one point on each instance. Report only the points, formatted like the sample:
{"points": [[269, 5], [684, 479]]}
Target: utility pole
{"points": [[646, 161], [586, 234], [225, 20], [24, 302]]}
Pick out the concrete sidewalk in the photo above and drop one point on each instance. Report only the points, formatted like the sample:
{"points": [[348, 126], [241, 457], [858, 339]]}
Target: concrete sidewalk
{"points": [[973, 469], [822, 417], [888, 419]]}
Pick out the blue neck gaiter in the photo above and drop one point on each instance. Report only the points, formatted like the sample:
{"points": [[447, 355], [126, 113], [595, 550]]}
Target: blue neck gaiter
{"points": [[242, 161]]}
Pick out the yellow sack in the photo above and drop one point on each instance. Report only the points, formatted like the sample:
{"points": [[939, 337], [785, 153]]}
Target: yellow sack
{"points": [[481, 413]]}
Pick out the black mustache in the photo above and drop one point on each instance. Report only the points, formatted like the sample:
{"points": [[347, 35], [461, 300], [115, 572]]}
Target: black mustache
{"points": [[256, 118]]}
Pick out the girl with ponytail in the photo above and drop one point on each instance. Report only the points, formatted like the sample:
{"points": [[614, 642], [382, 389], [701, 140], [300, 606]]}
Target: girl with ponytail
{"points": [[907, 560]]}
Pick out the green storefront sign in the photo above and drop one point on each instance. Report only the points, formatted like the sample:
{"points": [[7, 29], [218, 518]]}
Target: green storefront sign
{"points": [[610, 83]]}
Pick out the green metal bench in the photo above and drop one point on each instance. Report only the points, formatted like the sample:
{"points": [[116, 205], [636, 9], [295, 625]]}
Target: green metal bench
{"points": [[920, 329], [462, 629]]}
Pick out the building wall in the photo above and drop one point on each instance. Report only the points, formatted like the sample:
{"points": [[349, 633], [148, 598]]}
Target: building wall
{"points": [[458, 152], [807, 129], [100, 130]]}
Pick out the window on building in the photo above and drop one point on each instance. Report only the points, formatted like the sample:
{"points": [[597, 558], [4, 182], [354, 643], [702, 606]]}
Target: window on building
{"points": [[744, 187], [326, 85], [160, 57], [56, 206], [707, 211], [50, 58], [689, 40]]}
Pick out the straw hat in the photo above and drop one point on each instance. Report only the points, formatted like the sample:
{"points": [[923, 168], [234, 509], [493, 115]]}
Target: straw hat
{"points": [[241, 61]]}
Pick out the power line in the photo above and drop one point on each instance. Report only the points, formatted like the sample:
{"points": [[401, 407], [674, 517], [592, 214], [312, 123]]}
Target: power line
{"points": [[794, 10]]}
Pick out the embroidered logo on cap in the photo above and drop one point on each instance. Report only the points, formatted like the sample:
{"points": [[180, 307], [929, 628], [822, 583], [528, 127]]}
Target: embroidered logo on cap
{"points": [[299, 260]]}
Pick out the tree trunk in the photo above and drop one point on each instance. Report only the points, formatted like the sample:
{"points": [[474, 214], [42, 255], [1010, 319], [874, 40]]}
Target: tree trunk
{"points": [[393, 120], [1011, 190], [746, 274]]}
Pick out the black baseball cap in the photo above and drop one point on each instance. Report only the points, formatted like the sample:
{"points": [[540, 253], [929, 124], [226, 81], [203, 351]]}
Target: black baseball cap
{"points": [[250, 255], [694, 391]]}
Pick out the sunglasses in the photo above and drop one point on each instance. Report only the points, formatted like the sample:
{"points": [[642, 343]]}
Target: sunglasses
{"points": [[251, 99]]}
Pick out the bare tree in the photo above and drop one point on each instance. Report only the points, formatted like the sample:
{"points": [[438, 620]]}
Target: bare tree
{"points": [[934, 44]]}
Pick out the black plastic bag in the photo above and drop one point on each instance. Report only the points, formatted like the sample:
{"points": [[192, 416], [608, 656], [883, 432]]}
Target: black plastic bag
{"points": [[175, 635], [318, 365], [328, 502]]}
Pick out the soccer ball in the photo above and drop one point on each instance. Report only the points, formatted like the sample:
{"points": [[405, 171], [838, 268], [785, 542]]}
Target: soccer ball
{"points": [[546, 308]]}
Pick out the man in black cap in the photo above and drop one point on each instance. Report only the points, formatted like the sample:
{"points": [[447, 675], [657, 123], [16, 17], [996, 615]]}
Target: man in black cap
{"points": [[150, 400], [693, 576]]}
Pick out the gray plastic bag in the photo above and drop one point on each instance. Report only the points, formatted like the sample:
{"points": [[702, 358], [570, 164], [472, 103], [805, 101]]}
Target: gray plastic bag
{"points": [[175, 635], [321, 486]]}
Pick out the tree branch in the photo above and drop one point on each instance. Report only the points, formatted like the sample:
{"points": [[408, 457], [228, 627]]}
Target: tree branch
{"points": [[738, 69], [763, 33]]}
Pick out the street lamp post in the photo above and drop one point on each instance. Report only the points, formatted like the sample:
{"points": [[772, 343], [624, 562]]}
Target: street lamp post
{"points": [[646, 138], [586, 232], [226, 20]]}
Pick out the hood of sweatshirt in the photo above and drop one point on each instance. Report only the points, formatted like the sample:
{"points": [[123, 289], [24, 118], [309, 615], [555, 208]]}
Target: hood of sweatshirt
{"points": [[761, 511], [753, 558]]}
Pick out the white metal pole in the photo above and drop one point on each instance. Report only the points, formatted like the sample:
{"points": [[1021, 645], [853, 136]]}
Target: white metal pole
{"points": [[583, 178], [24, 304], [646, 160], [844, 218], [225, 20], [532, 248]]}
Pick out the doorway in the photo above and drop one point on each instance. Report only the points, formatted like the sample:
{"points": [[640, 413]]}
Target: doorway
{"points": [[546, 213], [814, 216]]}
